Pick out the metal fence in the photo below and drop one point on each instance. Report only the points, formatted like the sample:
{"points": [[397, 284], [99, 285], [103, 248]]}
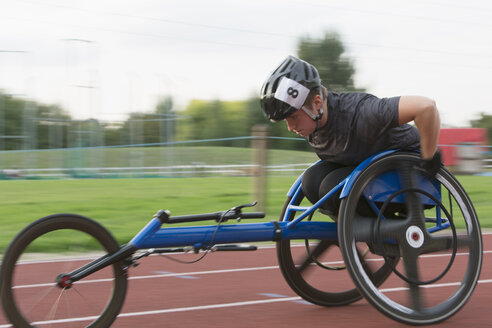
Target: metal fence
{"points": [[172, 159], [196, 158]]}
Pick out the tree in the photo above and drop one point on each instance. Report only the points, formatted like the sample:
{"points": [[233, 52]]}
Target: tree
{"points": [[326, 55], [52, 124], [167, 123], [211, 120], [113, 133], [485, 121], [25, 124], [165, 105], [145, 128]]}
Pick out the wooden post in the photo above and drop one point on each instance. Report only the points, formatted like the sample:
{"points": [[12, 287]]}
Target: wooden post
{"points": [[259, 159]]}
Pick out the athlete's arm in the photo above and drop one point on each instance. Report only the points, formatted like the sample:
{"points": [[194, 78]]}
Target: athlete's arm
{"points": [[423, 112]]}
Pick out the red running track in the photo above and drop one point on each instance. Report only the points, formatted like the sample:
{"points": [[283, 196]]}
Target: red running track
{"points": [[247, 289]]}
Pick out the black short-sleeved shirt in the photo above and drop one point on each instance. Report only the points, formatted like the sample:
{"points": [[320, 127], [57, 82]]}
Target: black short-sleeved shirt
{"points": [[360, 125]]}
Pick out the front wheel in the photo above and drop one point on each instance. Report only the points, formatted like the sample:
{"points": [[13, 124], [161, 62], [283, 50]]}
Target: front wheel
{"points": [[48, 248]]}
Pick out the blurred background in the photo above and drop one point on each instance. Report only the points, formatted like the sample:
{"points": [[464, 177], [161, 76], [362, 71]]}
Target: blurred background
{"points": [[170, 88], [97, 95]]}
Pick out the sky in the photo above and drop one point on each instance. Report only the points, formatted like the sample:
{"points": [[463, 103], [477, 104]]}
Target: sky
{"points": [[107, 58]]}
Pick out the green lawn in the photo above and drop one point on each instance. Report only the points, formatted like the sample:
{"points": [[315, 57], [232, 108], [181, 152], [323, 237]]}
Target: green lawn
{"points": [[479, 188], [125, 205]]}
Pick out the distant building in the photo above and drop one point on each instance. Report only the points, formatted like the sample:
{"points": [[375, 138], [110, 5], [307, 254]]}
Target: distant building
{"points": [[459, 145]]}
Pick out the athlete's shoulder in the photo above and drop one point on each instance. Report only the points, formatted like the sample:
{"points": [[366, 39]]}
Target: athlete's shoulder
{"points": [[347, 100]]}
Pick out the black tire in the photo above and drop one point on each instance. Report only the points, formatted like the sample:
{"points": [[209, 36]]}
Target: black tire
{"points": [[458, 242], [322, 284], [28, 286]]}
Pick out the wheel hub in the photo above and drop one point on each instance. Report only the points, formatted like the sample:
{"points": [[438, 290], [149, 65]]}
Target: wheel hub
{"points": [[64, 281], [415, 236]]}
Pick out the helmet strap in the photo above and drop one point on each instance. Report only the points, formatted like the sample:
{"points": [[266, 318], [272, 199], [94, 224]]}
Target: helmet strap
{"points": [[316, 118], [310, 114]]}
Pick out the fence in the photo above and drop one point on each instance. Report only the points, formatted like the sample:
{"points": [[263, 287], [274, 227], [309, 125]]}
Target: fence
{"points": [[171, 159], [196, 158]]}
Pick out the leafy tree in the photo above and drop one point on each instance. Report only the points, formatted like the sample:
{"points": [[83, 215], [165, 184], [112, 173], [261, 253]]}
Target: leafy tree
{"points": [[53, 125], [212, 120], [10, 122], [112, 133], [485, 122], [26, 124], [326, 55], [146, 128], [165, 105], [167, 122]]}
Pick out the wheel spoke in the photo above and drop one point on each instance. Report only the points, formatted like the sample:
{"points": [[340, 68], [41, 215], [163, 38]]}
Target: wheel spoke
{"points": [[85, 299], [39, 298], [69, 310], [410, 261], [54, 308], [443, 243], [415, 210], [314, 254]]}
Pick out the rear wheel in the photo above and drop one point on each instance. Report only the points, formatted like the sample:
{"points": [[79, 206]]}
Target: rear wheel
{"points": [[40, 255], [440, 243]]}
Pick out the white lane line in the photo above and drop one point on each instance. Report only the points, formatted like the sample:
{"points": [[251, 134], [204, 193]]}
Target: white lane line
{"points": [[178, 276], [448, 284], [164, 275], [224, 305], [195, 273], [93, 257], [211, 306], [183, 309]]}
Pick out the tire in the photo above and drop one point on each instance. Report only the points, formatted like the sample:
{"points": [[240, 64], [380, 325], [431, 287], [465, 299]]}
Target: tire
{"points": [[450, 254], [29, 293], [325, 281]]}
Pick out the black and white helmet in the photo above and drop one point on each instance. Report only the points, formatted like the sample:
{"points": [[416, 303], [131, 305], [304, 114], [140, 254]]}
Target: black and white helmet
{"points": [[287, 88]]}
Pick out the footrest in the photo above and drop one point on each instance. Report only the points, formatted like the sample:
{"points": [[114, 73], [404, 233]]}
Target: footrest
{"points": [[234, 248], [171, 250]]}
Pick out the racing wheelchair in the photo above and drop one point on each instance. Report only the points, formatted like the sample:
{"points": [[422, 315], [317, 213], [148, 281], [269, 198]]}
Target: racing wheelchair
{"points": [[392, 252]]}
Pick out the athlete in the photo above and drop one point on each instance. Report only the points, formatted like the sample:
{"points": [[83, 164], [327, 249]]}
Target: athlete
{"points": [[346, 128]]}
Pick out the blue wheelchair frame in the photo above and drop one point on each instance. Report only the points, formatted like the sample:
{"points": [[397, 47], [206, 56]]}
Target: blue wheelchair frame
{"points": [[154, 236]]}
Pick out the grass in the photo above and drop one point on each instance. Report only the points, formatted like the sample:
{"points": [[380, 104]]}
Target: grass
{"points": [[480, 192], [124, 206]]}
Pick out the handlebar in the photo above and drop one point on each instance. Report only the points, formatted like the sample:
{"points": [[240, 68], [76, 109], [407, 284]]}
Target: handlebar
{"points": [[215, 216], [222, 216], [253, 215]]}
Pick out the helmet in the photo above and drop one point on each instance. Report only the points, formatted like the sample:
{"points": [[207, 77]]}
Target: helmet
{"points": [[287, 88]]}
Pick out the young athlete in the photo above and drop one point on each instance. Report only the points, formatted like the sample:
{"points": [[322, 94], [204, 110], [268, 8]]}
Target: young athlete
{"points": [[346, 128]]}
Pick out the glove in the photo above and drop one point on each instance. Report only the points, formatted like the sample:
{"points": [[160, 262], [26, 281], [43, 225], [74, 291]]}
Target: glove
{"points": [[432, 166]]}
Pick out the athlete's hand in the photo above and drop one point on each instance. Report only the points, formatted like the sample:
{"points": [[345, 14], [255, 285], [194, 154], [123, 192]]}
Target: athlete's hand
{"points": [[431, 165]]}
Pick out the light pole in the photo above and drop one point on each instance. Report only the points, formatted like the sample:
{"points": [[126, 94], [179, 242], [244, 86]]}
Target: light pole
{"points": [[3, 135], [2, 102], [88, 83], [84, 86]]}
